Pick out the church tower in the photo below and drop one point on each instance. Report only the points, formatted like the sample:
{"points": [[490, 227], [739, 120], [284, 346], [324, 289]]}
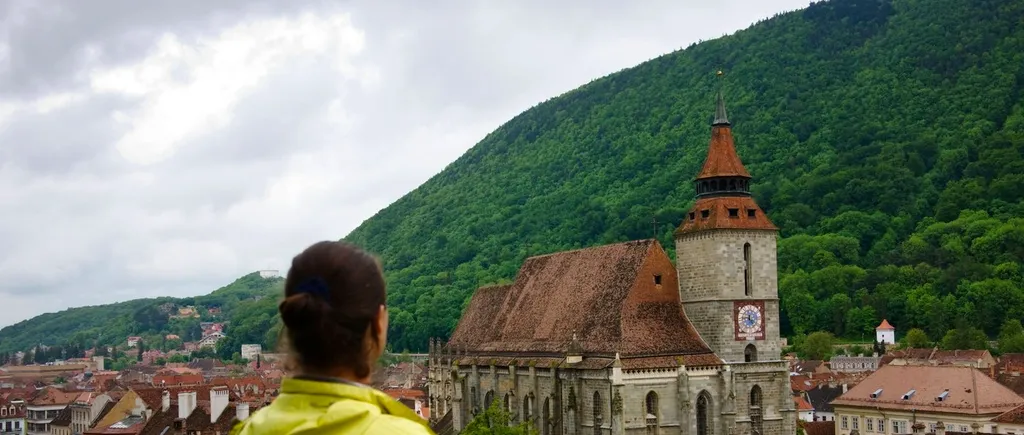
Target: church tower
{"points": [[726, 257]]}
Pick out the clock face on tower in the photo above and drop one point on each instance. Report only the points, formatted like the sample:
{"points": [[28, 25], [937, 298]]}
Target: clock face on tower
{"points": [[749, 320]]}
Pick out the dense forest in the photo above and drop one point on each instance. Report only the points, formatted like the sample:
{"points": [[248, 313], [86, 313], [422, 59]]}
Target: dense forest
{"points": [[886, 140], [70, 332]]}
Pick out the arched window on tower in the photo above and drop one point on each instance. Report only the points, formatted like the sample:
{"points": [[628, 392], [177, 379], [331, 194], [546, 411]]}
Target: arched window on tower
{"points": [[756, 422], [598, 414], [746, 270], [651, 413], [750, 353], [703, 413]]}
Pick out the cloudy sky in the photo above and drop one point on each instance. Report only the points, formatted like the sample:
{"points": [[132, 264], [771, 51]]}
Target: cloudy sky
{"points": [[170, 148]]}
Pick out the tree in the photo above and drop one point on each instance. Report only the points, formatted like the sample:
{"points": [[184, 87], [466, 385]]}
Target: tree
{"points": [[818, 345], [965, 337], [495, 421], [915, 338], [1011, 337], [142, 349]]}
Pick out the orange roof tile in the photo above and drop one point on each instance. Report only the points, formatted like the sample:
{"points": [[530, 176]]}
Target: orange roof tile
{"points": [[819, 427], [722, 160], [1013, 416], [885, 325], [801, 404], [719, 212], [969, 391]]}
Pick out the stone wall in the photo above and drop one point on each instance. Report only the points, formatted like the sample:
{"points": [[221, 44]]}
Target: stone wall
{"points": [[710, 267]]}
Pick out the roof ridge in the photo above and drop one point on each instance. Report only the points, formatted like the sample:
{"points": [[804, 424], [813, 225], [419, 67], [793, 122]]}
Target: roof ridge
{"points": [[572, 251]]}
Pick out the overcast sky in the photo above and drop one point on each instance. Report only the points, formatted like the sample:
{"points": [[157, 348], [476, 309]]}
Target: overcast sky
{"points": [[168, 149]]}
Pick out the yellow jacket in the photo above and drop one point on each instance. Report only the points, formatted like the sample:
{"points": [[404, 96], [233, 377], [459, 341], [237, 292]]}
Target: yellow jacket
{"points": [[310, 407]]}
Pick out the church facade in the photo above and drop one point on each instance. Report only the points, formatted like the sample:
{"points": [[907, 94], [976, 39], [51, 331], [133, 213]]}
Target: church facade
{"points": [[618, 340]]}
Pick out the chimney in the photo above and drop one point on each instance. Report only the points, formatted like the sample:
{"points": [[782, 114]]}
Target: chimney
{"points": [[845, 387], [186, 404], [241, 411], [165, 401], [218, 402]]}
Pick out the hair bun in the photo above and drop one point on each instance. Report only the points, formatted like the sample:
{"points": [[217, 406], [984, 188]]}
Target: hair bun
{"points": [[303, 312]]}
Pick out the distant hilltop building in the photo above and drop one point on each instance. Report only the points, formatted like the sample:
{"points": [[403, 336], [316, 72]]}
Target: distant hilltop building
{"points": [[618, 340], [885, 333], [251, 351], [269, 273]]}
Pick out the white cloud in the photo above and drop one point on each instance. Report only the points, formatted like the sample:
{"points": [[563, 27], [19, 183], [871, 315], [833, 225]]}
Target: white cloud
{"points": [[190, 88]]}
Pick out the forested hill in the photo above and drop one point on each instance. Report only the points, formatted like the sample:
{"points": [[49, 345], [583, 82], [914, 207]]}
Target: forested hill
{"points": [[885, 139]]}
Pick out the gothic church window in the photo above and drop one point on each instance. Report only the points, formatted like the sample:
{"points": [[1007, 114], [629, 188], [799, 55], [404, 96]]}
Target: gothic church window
{"points": [[598, 415], [488, 399], [528, 407], [703, 411], [746, 269], [651, 408], [756, 422]]}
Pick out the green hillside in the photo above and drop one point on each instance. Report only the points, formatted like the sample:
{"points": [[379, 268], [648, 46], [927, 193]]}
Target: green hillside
{"points": [[885, 139], [108, 325]]}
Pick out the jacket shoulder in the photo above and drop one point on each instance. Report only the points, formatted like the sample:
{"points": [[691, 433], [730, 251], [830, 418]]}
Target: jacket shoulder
{"points": [[390, 424]]}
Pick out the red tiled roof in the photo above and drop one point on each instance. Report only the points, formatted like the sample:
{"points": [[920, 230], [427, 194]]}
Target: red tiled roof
{"points": [[606, 295], [1012, 381], [885, 325], [722, 160], [969, 390], [801, 404], [719, 217], [1013, 416], [52, 396], [819, 427]]}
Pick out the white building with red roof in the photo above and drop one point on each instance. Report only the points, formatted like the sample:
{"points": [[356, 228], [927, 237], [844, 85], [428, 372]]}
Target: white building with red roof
{"points": [[885, 333]]}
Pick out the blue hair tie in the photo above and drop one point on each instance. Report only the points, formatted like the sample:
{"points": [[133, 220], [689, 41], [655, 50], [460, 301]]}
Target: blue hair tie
{"points": [[315, 286]]}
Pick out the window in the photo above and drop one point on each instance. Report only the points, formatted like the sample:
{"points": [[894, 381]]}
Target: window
{"points": [[734, 212], [545, 424], [692, 215], [963, 428], [756, 423], [488, 399], [651, 406], [899, 426], [598, 415], [881, 425], [751, 213], [950, 428], [750, 353], [746, 270], [657, 279], [856, 423], [844, 423], [703, 405], [870, 424], [705, 213]]}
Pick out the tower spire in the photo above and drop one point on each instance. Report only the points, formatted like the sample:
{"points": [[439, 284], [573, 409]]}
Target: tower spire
{"points": [[720, 116]]}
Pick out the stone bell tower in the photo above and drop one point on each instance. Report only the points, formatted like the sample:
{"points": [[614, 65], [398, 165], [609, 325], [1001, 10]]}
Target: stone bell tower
{"points": [[726, 257]]}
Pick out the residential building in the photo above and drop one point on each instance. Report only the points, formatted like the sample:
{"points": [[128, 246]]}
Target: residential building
{"points": [[211, 339], [821, 398], [810, 367], [133, 341], [61, 424], [44, 407], [851, 364], [12, 416], [269, 273], [805, 412], [885, 333], [617, 339], [979, 359], [86, 409], [896, 398]]}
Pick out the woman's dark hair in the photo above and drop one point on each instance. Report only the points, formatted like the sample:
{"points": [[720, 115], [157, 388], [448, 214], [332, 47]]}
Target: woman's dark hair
{"points": [[333, 293]]}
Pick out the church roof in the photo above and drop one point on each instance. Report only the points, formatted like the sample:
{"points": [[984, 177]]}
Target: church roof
{"points": [[719, 210], [617, 298], [722, 160]]}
